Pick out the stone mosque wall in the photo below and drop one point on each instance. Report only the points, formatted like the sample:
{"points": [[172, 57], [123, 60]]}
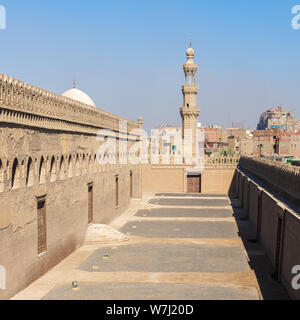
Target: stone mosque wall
{"points": [[49, 153], [273, 211], [217, 176], [283, 178]]}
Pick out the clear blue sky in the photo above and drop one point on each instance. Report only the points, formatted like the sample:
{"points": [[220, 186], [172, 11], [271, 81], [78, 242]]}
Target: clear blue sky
{"points": [[128, 54]]}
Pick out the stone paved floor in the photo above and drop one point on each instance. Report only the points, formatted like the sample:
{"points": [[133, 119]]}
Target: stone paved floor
{"points": [[179, 247], [185, 213], [153, 292], [181, 229]]}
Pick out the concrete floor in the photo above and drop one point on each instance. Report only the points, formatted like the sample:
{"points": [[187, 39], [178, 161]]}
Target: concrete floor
{"points": [[167, 258], [180, 247], [182, 229], [185, 213], [153, 292], [189, 202]]}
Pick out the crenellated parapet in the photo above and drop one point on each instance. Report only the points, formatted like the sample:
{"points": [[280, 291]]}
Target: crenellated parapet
{"points": [[295, 171], [284, 179], [221, 162], [25, 104]]}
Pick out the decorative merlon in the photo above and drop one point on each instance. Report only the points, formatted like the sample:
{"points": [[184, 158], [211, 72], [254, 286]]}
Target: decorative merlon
{"points": [[26, 104]]}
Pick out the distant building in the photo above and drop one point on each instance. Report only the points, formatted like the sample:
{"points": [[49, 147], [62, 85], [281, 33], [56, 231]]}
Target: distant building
{"points": [[240, 141], [278, 118], [213, 140], [276, 142], [235, 140], [290, 144], [264, 142], [246, 146]]}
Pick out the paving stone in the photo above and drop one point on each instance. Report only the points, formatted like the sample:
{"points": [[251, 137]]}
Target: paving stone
{"points": [[168, 258], [189, 202], [172, 229], [196, 195], [126, 291], [183, 212]]}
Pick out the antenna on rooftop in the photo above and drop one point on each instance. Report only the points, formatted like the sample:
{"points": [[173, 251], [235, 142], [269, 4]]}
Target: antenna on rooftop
{"points": [[228, 120]]}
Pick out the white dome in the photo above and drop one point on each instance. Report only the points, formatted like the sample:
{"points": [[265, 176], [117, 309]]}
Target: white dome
{"points": [[80, 96]]}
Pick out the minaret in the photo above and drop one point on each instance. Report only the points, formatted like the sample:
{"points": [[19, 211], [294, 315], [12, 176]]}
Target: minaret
{"points": [[190, 111]]}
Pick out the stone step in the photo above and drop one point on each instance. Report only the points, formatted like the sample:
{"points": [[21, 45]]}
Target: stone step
{"points": [[102, 233]]}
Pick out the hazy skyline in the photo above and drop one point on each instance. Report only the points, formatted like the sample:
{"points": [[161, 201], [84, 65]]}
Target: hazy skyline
{"points": [[128, 55]]}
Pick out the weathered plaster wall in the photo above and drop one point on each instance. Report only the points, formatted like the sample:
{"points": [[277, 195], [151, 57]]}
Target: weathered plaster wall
{"points": [[218, 180], [163, 179], [281, 244], [173, 178], [65, 185], [282, 178], [253, 204], [269, 223]]}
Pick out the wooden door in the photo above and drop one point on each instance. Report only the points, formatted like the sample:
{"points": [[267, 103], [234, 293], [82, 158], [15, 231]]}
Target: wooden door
{"points": [[41, 226], [131, 184], [194, 184], [117, 191], [90, 204]]}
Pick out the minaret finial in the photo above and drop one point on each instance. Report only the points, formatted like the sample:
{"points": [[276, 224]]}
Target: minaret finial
{"points": [[74, 83], [190, 43]]}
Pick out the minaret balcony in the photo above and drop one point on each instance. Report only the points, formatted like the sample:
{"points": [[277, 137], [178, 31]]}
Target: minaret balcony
{"points": [[190, 112], [190, 88], [190, 67]]}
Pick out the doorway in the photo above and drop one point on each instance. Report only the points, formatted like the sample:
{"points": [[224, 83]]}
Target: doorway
{"points": [[131, 184], [90, 204], [194, 183], [116, 191], [41, 226]]}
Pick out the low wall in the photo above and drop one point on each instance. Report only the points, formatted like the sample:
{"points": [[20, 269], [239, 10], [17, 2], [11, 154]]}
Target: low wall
{"points": [[159, 178], [275, 224], [218, 181], [173, 178], [282, 178]]}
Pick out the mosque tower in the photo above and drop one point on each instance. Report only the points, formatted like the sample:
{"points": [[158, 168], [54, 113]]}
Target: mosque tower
{"points": [[190, 111]]}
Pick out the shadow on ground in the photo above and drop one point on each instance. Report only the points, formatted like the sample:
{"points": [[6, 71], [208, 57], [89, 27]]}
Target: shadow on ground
{"points": [[259, 262]]}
